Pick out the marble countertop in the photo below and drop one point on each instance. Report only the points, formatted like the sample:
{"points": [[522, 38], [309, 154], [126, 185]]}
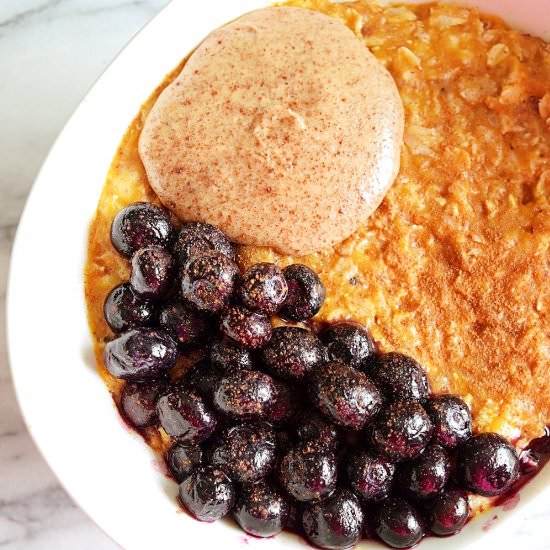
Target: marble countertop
{"points": [[51, 51]]}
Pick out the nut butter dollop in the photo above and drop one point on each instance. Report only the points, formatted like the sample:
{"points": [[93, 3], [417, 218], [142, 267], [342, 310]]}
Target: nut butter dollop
{"points": [[282, 129]]}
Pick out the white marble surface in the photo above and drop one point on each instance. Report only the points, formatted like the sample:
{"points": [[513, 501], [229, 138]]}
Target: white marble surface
{"points": [[50, 53]]}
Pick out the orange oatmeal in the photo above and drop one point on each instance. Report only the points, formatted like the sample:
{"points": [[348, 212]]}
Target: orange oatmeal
{"points": [[454, 266]]}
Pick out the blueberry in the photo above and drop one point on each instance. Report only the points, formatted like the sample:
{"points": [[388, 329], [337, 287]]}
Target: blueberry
{"points": [[194, 239], [336, 522], [184, 323], [183, 459], [401, 431], [246, 394], [369, 476], [306, 293], [140, 354], [293, 353], [313, 426], [487, 464], [260, 510], [227, 356], [349, 343], [153, 271], [263, 288], [447, 512], [124, 309], [425, 476], [202, 379], [248, 329], [399, 377], [207, 493], [208, 281], [285, 405], [451, 419], [398, 524], [138, 402], [186, 416], [344, 395], [246, 452], [308, 472], [139, 225]]}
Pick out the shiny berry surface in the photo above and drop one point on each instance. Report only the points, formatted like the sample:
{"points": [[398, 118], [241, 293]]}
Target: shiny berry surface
{"points": [[246, 452], [336, 522], [195, 239], [401, 431], [398, 524], [344, 395], [451, 419], [246, 394], [399, 377], [306, 293], [208, 281], [248, 329], [153, 271], [313, 426], [349, 343], [263, 288], [185, 324], [293, 353], [308, 472], [369, 476], [138, 402], [186, 416], [139, 225], [124, 309], [425, 476], [140, 354], [487, 464], [285, 406], [202, 379], [183, 459], [227, 356], [260, 510], [447, 513], [207, 493]]}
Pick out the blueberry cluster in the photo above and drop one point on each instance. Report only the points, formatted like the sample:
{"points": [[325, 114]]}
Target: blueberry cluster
{"points": [[282, 427]]}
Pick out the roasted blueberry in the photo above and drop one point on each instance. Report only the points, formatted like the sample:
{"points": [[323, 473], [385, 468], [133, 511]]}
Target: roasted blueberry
{"points": [[344, 395], [313, 426], [369, 476], [207, 493], [194, 239], [138, 402], [487, 464], [447, 512], [248, 329], [398, 524], [139, 225], [140, 354], [246, 394], [451, 419], [124, 309], [308, 472], [153, 271], [293, 353], [186, 416], [401, 431], [285, 406], [260, 510], [183, 322], [246, 452], [208, 281], [202, 379], [183, 459], [399, 377], [263, 288], [306, 293], [425, 476], [227, 356], [336, 522], [349, 343]]}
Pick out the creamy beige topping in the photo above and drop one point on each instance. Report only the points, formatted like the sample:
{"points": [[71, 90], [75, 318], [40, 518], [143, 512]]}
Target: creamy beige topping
{"points": [[282, 129]]}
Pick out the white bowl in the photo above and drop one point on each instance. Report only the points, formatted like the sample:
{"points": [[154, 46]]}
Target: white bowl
{"points": [[109, 472]]}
